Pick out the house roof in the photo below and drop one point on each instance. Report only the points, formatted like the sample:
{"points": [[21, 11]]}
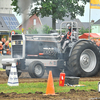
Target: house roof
{"points": [[86, 24], [97, 22], [8, 22], [48, 21], [80, 24], [3, 26]]}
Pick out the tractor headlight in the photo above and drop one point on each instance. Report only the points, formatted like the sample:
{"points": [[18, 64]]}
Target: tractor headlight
{"points": [[21, 42], [17, 42], [13, 42]]}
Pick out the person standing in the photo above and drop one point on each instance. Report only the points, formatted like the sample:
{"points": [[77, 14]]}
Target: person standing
{"points": [[3, 43], [1, 47], [6, 48], [9, 45]]}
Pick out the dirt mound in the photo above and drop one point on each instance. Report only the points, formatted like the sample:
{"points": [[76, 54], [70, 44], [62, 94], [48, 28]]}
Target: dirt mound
{"points": [[71, 95]]}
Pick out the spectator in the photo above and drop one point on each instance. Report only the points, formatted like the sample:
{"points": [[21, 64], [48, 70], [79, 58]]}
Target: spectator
{"points": [[9, 39], [2, 41], [1, 47], [9, 45], [6, 48]]}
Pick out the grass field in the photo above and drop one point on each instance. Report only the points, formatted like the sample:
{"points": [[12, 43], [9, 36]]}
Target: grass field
{"points": [[41, 87], [1, 69]]}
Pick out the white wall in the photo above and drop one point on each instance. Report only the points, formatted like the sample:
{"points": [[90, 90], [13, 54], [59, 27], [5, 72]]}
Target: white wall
{"points": [[95, 28]]}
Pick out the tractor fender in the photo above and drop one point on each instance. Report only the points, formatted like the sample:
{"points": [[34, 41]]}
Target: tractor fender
{"points": [[75, 45]]}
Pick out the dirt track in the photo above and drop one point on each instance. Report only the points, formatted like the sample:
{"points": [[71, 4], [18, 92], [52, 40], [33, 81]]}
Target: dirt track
{"points": [[72, 95], [26, 78]]}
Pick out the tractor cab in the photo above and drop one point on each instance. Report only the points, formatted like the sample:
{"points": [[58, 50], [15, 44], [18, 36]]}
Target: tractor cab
{"points": [[64, 30], [74, 29]]}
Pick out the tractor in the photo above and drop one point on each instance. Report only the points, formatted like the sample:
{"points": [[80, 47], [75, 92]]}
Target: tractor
{"points": [[37, 53]]}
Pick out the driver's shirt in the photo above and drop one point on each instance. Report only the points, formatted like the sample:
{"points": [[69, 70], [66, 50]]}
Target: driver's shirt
{"points": [[68, 35]]}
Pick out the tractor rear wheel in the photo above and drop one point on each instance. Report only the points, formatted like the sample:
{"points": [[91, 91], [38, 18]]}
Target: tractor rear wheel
{"points": [[84, 59]]}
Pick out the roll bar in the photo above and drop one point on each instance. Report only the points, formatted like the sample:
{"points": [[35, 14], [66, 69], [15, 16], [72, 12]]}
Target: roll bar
{"points": [[73, 24]]}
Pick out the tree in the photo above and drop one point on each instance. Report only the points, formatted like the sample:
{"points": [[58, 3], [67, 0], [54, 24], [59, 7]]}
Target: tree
{"points": [[82, 31], [45, 30], [15, 4], [58, 9]]}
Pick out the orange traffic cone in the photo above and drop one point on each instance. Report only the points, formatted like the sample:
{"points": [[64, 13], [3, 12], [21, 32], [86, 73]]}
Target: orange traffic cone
{"points": [[50, 85]]}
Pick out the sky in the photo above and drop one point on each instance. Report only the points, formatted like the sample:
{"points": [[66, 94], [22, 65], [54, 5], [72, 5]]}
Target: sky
{"points": [[94, 15]]}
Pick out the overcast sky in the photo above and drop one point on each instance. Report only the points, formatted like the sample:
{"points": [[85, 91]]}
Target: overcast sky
{"points": [[95, 15]]}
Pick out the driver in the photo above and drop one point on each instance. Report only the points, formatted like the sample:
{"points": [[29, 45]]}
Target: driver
{"points": [[67, 38]]}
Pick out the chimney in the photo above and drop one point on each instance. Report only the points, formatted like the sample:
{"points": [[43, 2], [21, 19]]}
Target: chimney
{"points": [[92, 21]]}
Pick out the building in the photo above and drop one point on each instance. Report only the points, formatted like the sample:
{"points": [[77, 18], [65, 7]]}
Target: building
{"points": [[8, 22], [95, 28], [48, 21], [5, 13], [5, 6], [34, 22], [86, 25]]}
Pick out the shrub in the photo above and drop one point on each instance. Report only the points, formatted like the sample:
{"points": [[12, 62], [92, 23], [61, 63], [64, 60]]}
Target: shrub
{"points": [[46, 29], [82, 31], [41, 30], [18, 31], [32, 31]]}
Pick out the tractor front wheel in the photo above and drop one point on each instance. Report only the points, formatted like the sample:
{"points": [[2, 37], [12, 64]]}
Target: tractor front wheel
{"points": [[36, 69]]}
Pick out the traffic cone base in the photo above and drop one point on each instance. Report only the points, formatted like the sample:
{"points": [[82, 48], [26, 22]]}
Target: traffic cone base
{"points": [[50, 94], [13, 77], [50, 86]]}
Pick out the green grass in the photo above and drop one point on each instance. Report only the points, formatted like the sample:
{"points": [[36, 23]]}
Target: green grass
{"points": [[1, 69], [41, 87]]}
